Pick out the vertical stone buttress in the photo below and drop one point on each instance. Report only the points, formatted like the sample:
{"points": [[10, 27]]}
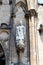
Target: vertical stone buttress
{"points": [[32, 4]]}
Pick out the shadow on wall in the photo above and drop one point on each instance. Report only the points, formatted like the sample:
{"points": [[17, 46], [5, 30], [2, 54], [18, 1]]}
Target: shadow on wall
{"points": [[41, 36]]}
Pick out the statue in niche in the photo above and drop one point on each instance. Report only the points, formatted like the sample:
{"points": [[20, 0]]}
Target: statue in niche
{"points": [[20, 37]]}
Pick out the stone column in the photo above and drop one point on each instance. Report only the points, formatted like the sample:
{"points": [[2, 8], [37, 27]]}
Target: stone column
{"points": [[31, 5]]}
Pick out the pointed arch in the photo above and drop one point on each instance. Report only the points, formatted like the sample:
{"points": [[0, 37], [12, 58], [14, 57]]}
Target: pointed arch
{"points": [[22, 5]]}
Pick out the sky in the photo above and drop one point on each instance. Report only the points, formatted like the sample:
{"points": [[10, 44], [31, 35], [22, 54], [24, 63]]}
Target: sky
{"points": [[40, 1]]}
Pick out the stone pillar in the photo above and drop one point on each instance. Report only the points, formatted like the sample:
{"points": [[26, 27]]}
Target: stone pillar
{"points": [[31, 5]]}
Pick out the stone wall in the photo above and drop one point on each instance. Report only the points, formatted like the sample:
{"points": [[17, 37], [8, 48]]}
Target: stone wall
{"points": [[12, 14], [7, 17], [40, 35]]}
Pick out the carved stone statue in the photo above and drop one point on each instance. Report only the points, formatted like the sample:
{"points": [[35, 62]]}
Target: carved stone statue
{"points": [[20, 37]]}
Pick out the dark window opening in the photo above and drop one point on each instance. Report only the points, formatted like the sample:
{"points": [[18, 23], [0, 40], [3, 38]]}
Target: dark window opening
{"points": [[10, 2], [0, 2], [2, 56]]}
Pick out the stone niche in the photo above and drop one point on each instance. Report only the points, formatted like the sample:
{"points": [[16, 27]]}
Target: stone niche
{"points": [[20, 16]]}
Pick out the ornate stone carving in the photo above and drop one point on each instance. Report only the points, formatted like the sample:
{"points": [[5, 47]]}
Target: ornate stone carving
{"points": [[30, 13], [22, 5], [20, 37]]}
